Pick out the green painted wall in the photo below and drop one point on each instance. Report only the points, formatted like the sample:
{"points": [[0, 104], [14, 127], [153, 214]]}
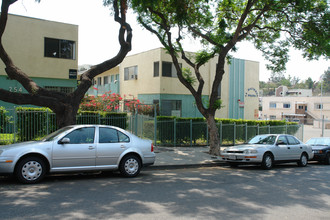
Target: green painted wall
{"points": [[188, 106], [14, 86], [236, 88]]}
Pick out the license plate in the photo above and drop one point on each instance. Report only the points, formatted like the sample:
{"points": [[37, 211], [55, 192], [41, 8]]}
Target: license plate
{"points": [[232, 157]]}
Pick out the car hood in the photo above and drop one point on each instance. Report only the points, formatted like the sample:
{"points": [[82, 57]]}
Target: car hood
{"points": [[21, 145], [247, 146]]}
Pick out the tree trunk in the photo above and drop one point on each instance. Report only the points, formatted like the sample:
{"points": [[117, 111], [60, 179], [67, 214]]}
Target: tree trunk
{"points": [[66, 116], [214, 136]]}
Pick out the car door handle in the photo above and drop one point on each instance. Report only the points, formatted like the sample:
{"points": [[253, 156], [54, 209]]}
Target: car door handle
{"points": [[289, 148], [122, 146], [91, 148]]}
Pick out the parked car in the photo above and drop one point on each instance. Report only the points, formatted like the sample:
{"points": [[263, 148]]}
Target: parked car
{"points": [[269, 149], [321, 149], [77, 148]]}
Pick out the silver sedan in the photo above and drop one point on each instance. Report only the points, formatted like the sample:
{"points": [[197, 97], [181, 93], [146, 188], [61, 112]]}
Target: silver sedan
{"points": [[267, 150], [77, 148]]}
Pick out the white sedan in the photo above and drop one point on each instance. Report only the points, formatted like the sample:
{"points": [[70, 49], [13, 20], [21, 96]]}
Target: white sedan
{"points": [[77, 148], [267, 150]]}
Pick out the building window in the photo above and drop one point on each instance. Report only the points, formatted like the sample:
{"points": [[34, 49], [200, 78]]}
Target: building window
{"points": [[57, 48], [272, 105], [168, 69], [156, 69], [300, 107], [318, 106], [60, 89], [130, 73], [286, 105], [99, 81], [106, 80], [272, 117], [171, 107]]}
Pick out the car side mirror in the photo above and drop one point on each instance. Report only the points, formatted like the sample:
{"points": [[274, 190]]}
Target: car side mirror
{"points": [[64, 141]]}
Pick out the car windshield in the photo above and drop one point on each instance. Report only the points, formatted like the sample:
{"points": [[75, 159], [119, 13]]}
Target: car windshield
{"points": [[263, 139], [51, 136], [319, 141]]}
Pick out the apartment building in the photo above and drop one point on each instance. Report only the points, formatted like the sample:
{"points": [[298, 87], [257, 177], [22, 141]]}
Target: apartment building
{"points": [[45, 50]]}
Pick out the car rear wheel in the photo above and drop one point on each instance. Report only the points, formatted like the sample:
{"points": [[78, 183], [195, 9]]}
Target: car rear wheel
{"points": [[327, 159], [303, 160], [30, 170], [130, 166], [267, 161]]}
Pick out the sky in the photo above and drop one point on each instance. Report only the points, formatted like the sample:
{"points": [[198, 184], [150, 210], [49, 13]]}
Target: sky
{"points": [[98, 36]]}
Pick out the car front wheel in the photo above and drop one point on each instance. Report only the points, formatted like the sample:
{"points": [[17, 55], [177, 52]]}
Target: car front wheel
{"points": [[303, 160], [30, 170], [267, 161], [130, 166]]}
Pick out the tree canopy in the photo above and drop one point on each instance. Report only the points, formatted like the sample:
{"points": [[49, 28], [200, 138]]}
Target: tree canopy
{"points": [[273, 26]]}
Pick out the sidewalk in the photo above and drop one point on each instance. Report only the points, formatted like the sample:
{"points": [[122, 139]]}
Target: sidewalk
{"points": [[183, 157]]}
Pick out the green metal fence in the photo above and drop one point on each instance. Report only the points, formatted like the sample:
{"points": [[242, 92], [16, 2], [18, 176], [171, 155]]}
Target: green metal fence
{"points": [[18, 126]]}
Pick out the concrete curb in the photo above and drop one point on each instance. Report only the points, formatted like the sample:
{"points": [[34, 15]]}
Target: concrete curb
{"points": [[184, 166]]}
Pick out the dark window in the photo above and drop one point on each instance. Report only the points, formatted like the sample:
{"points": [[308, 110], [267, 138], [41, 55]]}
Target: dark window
{"points": [[105, 80], [109, 135], [168, 69], [99, 81], [130, 73], [286, 105], [282, 140], [156, 69], [292, 140], [82, 136], [168, 106], [60, 48]]}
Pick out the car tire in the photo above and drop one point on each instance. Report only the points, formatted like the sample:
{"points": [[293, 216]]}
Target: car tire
{"points": [[130, 166], [30, 170], [233, 165], [327, 159], [267, 161], [303, 161]]}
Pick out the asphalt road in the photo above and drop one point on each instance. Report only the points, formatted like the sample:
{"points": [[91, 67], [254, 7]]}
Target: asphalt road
{"points": [[286, 192]]}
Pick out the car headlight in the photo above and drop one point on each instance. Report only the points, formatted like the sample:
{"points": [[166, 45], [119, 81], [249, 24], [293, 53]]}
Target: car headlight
{"points": [[223, 152], [249, 151], [318, 151]]}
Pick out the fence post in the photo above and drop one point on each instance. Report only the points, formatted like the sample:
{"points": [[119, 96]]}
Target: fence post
{"points": [[246, 132], [47, 121], [174, 125], [191, 132], [268, 129], [234, 133], [15, 119], [286, 128], [220, 133], [257, 129], [155, 129]]}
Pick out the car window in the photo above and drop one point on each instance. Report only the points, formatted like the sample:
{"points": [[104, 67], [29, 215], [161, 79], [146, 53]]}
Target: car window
{"points": [[282, 140], [292, 140], [123, 137], [82, 136], [108, 135], [263, 139]]}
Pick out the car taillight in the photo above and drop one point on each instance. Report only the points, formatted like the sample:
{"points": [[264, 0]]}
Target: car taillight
{"points": [[152, 147]]}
